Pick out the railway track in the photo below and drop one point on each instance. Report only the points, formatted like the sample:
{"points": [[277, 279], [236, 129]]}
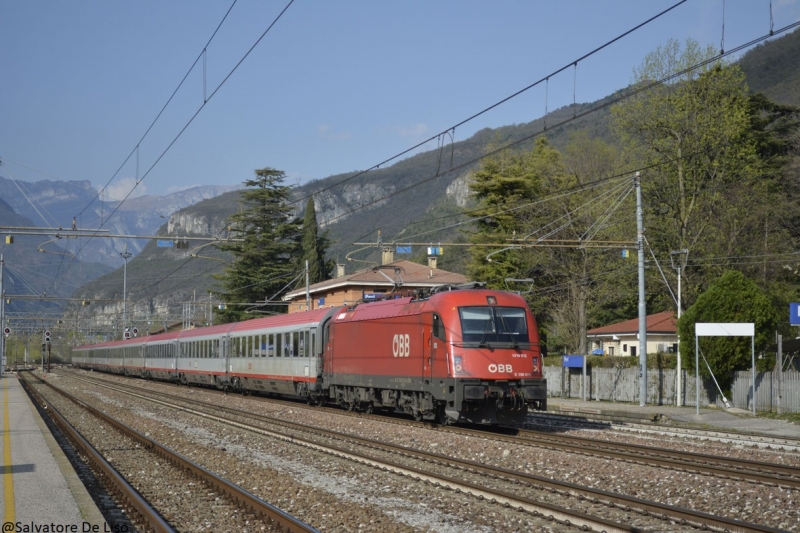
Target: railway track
{"points": [[724, 467], [585, 507], [587, 422], [149, 517]]}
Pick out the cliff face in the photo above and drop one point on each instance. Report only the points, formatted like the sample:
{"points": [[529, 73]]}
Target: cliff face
{"points": [[54, 204]]}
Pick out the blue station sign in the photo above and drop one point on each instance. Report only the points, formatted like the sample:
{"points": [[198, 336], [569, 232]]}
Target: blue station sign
{"points": [[572, 361]]}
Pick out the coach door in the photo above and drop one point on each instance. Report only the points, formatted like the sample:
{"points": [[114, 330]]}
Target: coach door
{"points": [[437, 346], [222, 353]]}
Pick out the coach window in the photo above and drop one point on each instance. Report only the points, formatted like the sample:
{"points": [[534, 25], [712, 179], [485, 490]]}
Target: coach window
{"points": [[311, 350], [438, 327], [278, 345], [296, 343], [271, 345]]}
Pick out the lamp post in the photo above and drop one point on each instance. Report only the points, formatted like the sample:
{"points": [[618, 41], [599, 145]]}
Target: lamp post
{"points": [[678, 259], [125, 255]]}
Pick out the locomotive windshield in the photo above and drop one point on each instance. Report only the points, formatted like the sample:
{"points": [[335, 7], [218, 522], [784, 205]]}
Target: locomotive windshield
{"points": [[493, 325]]}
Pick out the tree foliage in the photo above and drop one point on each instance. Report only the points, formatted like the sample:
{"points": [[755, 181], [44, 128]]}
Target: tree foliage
{"points": [[263, 264], [527, 202], [314, 247], [731, 298], [708, 186]]}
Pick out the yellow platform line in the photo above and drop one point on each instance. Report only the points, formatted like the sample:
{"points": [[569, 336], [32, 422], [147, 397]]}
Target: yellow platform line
{"points": [[8, 476]]}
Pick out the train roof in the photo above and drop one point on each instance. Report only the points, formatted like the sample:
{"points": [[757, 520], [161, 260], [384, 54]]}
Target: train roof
{"points": [[276, 321], [279, 321], [397, 307]]}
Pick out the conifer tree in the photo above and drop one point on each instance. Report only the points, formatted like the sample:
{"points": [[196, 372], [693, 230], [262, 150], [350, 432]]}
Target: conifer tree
{"points": [[314, 246], [265, 261]]}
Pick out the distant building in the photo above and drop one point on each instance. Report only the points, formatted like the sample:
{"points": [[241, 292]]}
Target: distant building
{"points": [[371, 283], [622, 338]]}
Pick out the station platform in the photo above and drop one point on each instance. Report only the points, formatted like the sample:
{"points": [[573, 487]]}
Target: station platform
{"points": [[735, 420], [41, 491]]}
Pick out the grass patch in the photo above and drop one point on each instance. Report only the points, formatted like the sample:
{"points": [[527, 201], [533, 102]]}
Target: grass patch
{"points": [[794, 418]]}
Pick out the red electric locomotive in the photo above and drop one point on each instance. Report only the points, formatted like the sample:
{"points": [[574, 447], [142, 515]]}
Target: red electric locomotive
{"points": [[459, 356], [464, 355]]}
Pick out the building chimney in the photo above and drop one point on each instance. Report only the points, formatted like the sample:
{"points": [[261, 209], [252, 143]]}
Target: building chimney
{"points": [[432, 262], [339, 270], [387, 256]]}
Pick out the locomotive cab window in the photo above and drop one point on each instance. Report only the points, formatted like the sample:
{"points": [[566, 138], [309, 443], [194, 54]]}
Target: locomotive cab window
{"points": [[483, 325], [438, 327]]}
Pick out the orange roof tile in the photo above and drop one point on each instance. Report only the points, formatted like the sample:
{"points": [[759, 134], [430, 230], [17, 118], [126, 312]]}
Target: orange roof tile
{"points": [[663, 322], [410, 274]]}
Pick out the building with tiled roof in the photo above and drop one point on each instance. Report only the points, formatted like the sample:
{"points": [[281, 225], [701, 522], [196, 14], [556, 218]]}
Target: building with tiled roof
{"points": [[622, 338], [371, 283]]}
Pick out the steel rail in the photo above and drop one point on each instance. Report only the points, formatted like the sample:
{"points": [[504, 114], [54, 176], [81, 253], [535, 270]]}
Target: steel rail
{"points": [[273, 514], [123, 490], [645, 507], [757, 471], [581, 420]]}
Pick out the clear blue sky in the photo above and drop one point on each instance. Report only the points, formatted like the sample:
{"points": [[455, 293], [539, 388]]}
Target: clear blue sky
{"points": [[335, 86]]}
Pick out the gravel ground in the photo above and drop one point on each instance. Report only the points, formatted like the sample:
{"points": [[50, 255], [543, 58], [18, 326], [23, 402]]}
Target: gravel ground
{"points": [[341, 496]]}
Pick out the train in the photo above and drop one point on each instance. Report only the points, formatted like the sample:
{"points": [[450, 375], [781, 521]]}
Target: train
{"points": [[454, 356]]}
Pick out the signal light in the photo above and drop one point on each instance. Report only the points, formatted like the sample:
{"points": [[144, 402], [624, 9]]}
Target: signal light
{"points": [[7, 330]]}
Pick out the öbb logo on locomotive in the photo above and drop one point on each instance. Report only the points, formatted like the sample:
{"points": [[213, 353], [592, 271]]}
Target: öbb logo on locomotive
{"points": [[401, 345], [476, 356]]}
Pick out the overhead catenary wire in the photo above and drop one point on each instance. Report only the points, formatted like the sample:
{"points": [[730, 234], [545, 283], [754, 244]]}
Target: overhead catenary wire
{"points": [[197, 112], [158, 116], [363, 206], [626, 95], [497, 104]]}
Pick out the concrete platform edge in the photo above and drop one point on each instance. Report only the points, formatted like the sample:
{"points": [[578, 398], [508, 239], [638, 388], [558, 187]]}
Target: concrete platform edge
{"points": [[86, 506]]}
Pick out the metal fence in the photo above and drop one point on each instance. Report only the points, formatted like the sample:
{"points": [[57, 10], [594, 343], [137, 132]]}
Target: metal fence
{"points": [[767, 398], [622, 385]]}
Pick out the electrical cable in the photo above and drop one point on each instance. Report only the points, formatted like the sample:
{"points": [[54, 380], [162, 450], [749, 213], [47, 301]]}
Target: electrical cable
{"points": [[504, 100], [197, 112], [136, 148], [513, 144]]}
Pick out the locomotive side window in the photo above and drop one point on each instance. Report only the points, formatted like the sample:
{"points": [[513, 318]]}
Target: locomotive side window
{"points": [[438, 327]]}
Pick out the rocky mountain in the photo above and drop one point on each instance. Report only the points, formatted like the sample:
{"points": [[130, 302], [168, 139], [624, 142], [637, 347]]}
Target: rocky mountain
{"points": [[404, 202], [56, 204], [37, 278]]}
